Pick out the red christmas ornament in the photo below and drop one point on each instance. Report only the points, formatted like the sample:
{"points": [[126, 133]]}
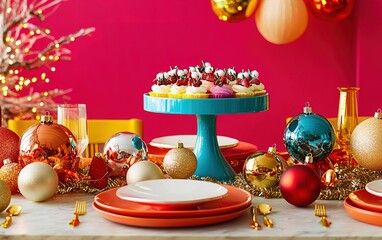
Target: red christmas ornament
{"points": [[331, 9], [9, 147], [9, 173], [98, 172], [300, 185]]}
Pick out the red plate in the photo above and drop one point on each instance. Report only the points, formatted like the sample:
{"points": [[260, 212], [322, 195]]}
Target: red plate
{"points": [[366, 200], [235, 199], [167, 222], [361, 214]]}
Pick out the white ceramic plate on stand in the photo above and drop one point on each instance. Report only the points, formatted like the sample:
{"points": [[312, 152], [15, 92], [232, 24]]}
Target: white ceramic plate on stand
{"points": [[375, 188], [172, 193], [189, 141]]}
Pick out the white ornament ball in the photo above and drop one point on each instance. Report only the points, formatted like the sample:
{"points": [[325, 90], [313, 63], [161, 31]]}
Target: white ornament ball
{"points": [[38, 181], [143, 170]]}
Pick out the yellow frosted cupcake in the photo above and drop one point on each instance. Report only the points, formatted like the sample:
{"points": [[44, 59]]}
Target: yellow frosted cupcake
{"points": [[243, 86], [242, 91], [161, 87], [258, 87], [177, 91], [195, 88]]}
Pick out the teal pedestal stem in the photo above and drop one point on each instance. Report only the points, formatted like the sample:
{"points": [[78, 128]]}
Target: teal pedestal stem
{"points": [[211, 162]]}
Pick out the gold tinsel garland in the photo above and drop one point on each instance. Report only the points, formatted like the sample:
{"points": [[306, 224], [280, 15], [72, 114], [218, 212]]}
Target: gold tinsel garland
{"points": [[349, 180]]}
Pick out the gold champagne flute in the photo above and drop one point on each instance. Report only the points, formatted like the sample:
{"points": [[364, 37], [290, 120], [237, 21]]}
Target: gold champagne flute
{"points": [[73, 116]]}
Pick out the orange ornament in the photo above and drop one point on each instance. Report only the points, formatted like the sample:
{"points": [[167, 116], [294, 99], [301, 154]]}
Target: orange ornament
{"points": [[53, 144], [9, 173]]}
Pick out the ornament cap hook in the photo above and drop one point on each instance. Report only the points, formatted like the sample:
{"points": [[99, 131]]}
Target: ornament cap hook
{"points": [[309, 158], [307, 108], [7, 161], [180, 144], [47, 118], [378, 114], [272, 150]]}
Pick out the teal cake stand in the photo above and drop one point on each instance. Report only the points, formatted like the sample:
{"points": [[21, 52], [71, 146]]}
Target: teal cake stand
{"points": [[211, 162]]}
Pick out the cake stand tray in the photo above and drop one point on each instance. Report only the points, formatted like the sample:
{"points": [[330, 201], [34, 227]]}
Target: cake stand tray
{"points": [[211, 162]]}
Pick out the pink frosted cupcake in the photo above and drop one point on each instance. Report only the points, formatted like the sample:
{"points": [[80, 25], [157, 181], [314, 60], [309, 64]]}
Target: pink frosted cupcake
{"points": [[221, 89], [224, 91]]}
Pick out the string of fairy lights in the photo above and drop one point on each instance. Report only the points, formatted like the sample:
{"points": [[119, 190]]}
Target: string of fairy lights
{"points": [[21, 51]]}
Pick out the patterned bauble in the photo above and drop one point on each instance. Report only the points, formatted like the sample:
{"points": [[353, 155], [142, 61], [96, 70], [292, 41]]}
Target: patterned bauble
{"points": [[143, 170], [122, 150], [233, 11], [9, 173], [38, 181], [300, 185], [309, 133], [180, 162], [366, 143], [263, 169], [9, 147], [50, 143], [5, 196]]}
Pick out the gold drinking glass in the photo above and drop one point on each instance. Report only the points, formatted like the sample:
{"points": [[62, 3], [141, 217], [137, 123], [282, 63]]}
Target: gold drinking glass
{"points": [[347, 120], [73, 116]]}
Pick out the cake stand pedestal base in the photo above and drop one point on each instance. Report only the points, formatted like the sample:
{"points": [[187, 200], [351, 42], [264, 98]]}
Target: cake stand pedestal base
{"points": [[211, 162]]}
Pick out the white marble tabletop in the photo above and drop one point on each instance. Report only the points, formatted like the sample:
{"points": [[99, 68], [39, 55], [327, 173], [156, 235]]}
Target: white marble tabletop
{"points": [[49, 220]]}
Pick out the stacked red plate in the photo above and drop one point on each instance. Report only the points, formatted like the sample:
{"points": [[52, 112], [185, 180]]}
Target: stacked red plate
{"points": [[162, 203], [365, 205]]}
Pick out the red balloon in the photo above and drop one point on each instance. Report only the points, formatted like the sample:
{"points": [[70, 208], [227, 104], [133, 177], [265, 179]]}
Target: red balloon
{"points": [[9, 147], [331, 9], [300, 185]]}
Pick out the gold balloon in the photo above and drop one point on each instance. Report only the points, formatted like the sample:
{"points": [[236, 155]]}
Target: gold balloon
{"points": [[233, 10], [366, 144], [180, 162], [281, 21], [5, 196], [262, 170]]}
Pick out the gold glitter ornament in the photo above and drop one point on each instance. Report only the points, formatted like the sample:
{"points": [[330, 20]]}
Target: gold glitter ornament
{"points": [[5, 195], [263, 169], [180, 162], [9, 173], [366, 143]]}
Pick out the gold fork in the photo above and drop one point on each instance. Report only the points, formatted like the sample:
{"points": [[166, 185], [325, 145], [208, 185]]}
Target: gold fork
{"points": [[254, 224], [79, 209], [320, 211]]}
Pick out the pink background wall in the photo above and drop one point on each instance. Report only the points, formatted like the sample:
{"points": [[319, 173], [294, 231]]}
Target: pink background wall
{"points": [[134, 40]]}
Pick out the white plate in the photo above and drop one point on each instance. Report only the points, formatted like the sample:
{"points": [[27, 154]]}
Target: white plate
{"points": [[172, 193], [189, 141], [375, 188]]}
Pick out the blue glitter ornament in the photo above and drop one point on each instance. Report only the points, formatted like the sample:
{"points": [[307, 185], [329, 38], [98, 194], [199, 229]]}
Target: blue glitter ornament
{"points": [[309, 133]]}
